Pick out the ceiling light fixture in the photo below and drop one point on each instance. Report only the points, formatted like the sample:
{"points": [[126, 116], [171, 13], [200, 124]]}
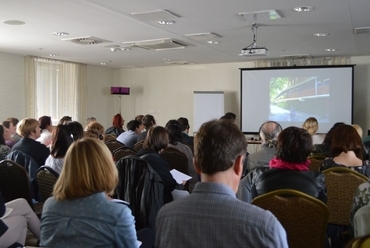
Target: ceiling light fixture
{"points": [[213, 42], [320, 34], [330, 50], [166, 22], [103, 63], [53, 55], [303, 8], [14, 22], [60, 33]]}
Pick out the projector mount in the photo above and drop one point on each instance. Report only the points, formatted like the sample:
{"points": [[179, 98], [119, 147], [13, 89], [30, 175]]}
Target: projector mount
{"points": [[253, 49]]}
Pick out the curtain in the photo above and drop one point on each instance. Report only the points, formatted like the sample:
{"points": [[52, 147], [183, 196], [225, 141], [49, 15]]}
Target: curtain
{"points": [[55, 88], [302, 61]]}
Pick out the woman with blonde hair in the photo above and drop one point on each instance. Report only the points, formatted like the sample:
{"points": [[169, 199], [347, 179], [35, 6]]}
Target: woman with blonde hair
{"points": [[94, 130], [311, 125], [80, 212]]}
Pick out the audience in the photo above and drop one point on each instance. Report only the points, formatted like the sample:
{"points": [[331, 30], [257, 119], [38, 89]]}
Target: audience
{"points": [[347, 151], [80, 212], [46, 126], [16, 218], [65, 120], [211, 216], [116, 129], [129, 138], [184, 123], [175, 137], [312, 125], [61, 140], [139, 118], [155, 142], [95, 130], [269, 131], [288, 170], [4, 135], [76, 130], [148, 121], [30, 130]]}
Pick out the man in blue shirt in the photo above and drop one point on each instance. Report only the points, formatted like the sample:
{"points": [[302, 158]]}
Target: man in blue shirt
{"points": [[129, 138]]}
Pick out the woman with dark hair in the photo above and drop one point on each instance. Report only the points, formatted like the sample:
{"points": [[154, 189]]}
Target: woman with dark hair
{"points": [[175, 136], [324, 147], [4, 135], [46, 128], [117, 127], [148, 121], [287, 170], [76, 130], [155, 142], [62, 139], [347, 151]]}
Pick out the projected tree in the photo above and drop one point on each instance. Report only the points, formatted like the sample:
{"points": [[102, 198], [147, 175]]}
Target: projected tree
{"points": [[277, 85]]}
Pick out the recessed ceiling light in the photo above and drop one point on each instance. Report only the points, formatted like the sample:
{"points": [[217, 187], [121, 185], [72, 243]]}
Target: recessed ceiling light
{"points": [[60, 33], [166, 22], [303, 8], [53, 55], [320, 34], [103, 63], [14, 22], [165, 59], [124, 49], [330, 50], [213, 42]]}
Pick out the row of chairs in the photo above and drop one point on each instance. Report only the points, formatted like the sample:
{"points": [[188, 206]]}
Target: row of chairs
{"points": [[304, 217]]}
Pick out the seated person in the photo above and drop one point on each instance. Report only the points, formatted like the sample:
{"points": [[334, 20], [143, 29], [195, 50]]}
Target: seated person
{"points": [[155, 142], [312, 125], [117, 123], [65, 120], [95, 130], [211, 216], [184, 123], [62, 139], [4, 135], [18, 217], [347, 151], [29, 129], [288, 170], [12, 129], [148, 121], [80, 213], [76, 130], [324, 148], [46, 126], [129, 138], [361, 198]]}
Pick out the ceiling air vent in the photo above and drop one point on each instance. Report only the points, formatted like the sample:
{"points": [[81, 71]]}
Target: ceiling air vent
{"points": [[158, 45], [178, 63], [87, 40], [362, 30]]}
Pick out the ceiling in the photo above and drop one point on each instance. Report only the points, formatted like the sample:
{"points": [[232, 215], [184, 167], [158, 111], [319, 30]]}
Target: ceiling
{"points": [[112, 20]]}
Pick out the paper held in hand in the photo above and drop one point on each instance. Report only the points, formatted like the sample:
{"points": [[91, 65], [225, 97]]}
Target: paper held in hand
{"points": [[179, 176]]}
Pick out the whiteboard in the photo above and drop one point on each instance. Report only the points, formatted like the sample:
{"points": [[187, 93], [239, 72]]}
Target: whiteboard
{"points": [[208, 105]]}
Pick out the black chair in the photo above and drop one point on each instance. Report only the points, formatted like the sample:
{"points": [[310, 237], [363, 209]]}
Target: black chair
{"points": [[123, 152], [113, 145], [46, 179], [139, 145]]}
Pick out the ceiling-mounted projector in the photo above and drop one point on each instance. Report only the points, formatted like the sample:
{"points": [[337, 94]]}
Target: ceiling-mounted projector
{"points": [[254, 51]]}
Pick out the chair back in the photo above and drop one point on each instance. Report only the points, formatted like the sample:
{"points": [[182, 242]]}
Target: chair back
{"points": [[315, 164], [341, 184], [303, 217], [46, 179], [141, 186], [109, 137], [113, 145], [123, 152], [190, 146], [26, 161], [139, 145], [176, 159]]}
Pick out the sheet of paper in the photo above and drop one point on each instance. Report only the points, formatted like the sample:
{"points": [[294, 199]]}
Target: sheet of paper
{"points": [[7, 212], [179, 176]]}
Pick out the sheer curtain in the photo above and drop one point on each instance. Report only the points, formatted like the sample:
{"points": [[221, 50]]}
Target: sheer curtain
{"points": [[55, 88]]}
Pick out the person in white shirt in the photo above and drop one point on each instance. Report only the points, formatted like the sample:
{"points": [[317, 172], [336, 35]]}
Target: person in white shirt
{"points": [[46, 126], [129, 138]]}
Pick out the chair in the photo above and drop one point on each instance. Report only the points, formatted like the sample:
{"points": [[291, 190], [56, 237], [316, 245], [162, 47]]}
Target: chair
{"points": [[139, 145], [176, 159], [303, 217], [46, 179], [141, 186], [341, 185], [123, 152], [109, 137], [113, 145], [15, 183], [190, 146], [316, 161]]}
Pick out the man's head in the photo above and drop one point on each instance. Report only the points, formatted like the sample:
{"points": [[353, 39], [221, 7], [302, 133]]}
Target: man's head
{"points": [[29, 128], [184, 123], [218, 146], [148, 121], [12, 125], [269, 131], [134, 126]]}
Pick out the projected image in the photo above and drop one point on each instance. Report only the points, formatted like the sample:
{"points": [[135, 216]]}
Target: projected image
{"points": [[296, 99]]}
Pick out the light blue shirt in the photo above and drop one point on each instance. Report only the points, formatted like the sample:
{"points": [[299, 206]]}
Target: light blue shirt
{"points": [[92, 221], [128, 138]]}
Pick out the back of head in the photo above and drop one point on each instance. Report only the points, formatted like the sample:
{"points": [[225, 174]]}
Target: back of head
{"points": [[62, 138], [26, 126], [76, 129], [231, 115], [65, 120], [117, 121], [132, 125], [94, 130], [148, 121], [217, 145], [156, 139], [88, 168], [184, 123], [326, 144], [90, 119], [358, 129], [139, 118], [13, 120], [311, 125], [174, 131], [44, 121], [293, 145], [269, 131], [345, 138]]}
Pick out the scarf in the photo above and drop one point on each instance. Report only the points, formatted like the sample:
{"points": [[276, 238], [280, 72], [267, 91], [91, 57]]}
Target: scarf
{"points": [[277, 163]]}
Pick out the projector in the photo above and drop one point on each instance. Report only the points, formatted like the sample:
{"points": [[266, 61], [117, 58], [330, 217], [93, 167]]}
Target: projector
{"points": [[254, 51]]}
